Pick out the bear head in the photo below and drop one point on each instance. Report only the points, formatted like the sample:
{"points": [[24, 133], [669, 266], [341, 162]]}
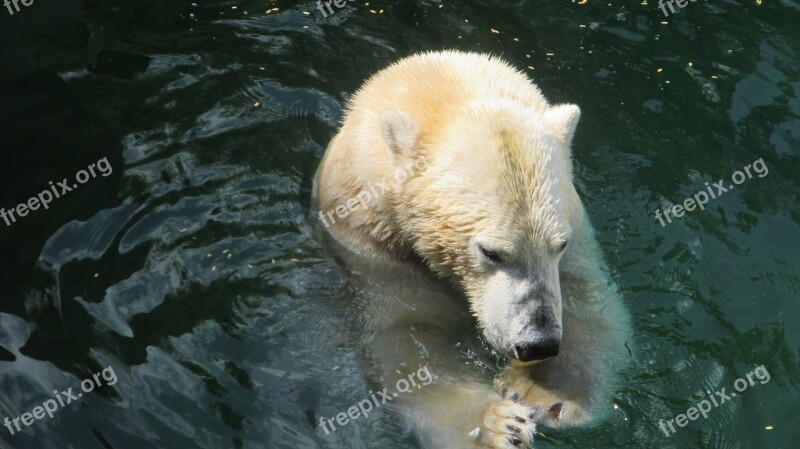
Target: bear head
{"points": [[494, 212]]}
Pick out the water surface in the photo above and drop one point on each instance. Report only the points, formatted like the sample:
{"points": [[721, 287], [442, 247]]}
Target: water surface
{"points": [[190, 269]]}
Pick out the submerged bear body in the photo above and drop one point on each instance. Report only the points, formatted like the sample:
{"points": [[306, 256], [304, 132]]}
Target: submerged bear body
{"points": [[447, 199]]}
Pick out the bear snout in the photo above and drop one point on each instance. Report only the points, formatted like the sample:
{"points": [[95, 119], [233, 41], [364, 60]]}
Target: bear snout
{"points": [[540, 350]]}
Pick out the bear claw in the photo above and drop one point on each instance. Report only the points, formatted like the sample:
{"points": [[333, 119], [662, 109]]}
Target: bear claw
{"points": [[505, 428], [555, 410]]}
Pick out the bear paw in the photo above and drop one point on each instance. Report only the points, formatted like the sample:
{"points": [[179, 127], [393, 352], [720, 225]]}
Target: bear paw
{"points": [[550, 409], [506, 425]]}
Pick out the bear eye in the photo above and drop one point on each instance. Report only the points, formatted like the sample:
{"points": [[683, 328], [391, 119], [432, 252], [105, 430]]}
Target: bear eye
{"points": [[562, 246], [492, 255]]}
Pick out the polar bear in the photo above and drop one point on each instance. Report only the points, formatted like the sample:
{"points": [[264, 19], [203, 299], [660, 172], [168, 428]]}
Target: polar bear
{"points": [[446, 198]]}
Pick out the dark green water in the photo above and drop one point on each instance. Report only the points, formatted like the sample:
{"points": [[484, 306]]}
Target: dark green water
{"points": [[190, 271]]}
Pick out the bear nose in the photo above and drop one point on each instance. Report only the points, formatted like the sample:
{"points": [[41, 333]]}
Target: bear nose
{"points": [[537, 351]]}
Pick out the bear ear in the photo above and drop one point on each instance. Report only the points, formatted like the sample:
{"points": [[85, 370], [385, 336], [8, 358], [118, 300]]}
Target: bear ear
{"points": [[563, 119], [399, 130]]}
